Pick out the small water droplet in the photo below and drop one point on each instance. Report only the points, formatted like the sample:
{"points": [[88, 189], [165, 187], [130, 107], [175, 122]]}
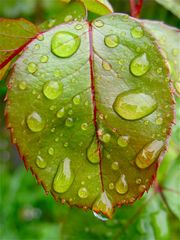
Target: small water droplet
{"points": [[22, 85], [92, 152], [52, 89], [159, 121], [44, 58], [100, 217], [35, 122], [111, 40], [106, 66], [77, 100], [138, 181], [69, 122], [40, 37], [51, 151], [68, 18], [115, 166], [106, 137], [70, 112], [149, 154], [65, 44], [139, 65], [32, 67], [111, 186], [99, 23], [36, 46], [123, 141], [137, 32], [133, 105], [52, 107], [60, 113], [40, 162], [121, 185], [78, 26], [84, 126], [83, 193], [64, 176]]}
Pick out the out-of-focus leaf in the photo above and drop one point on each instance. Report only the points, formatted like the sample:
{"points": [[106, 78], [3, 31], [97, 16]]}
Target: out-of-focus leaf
{"points": [[65, 103], [3, 71], [100, 7], [15, 34], [168, 39], [171, 5]]}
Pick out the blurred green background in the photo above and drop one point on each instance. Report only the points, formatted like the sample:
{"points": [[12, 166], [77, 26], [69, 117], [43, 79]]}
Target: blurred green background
{"points": [[27, 213]]}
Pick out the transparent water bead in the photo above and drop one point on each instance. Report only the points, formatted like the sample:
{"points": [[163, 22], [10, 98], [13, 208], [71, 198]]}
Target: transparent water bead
{"points": [[64, 176], [133, 105], [99, 23], [121, 185], [41, 162], [149, 154], [52, 89], [32, 67], [123, 141], [139, 65], [83, 193], [35, 122], [137, 32], [111, 40], [92, 151], [65, 44]]}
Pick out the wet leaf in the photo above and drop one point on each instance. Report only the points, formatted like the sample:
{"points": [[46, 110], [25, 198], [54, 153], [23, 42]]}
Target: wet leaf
{"points": [[171, 5], [90, 111], [100, 7], [14, 36], [168, 39]]}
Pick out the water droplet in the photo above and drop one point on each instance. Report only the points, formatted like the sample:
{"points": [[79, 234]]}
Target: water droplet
{"points": [[111, 40], [52, 89], [142, 188], [40, 162], [106, 66], [32, 67], [138, 181], [103, 205], [69, 122], [51, 151], [115, 166], [159, 121], [78, 26], [106, 137], [65, 44], [100, 216], [92, 152], [84, 126], [68, 18], [137, 32], [70, 112], [133, 105], [60, 113], [83, 193], [139, 65], [64, 176], [111, 186], [36, 46], [22, 85], [35, 122], [66, 144], [99, 23], [40, 37], [121, 185], [149, 154], [52, 107], [77, 100], [123, 141], [44, 58]]}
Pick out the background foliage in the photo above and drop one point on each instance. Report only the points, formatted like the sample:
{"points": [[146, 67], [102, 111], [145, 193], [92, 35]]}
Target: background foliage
{"points": [[25, 213]]}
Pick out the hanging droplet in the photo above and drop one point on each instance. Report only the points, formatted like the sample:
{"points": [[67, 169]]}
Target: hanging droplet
{"points": [[83, 193], [149, 154], [103, 205], [133, 105], [65, 44], [106, 137], [84, 126], [100, 216], [44, 58], [40, 162], [99, 23], [111, 40], [123, 141], [51, 151], [92, 151], [137, 32], [115, 166], [60, 113], [121, 185], [32, 67], [22, 85], [69, 122], [106, 66], [140, 65], [77, 100], [52, 89], [64, 176], [35, 122]]}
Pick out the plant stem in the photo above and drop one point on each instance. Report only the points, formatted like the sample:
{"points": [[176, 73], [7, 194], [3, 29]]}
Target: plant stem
{"points": [[136, 8]]}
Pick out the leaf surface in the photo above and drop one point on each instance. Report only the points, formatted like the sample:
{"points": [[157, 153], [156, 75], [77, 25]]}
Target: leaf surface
{"points": [[90, 113], [100, 7], [171, 5]]}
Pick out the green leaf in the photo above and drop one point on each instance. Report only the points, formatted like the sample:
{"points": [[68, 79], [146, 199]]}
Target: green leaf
{"points": [[171, 5], [168, 39], [14, 36], [90, 111], [100, 7]]}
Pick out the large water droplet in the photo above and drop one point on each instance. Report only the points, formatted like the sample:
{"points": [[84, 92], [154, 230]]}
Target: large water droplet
{"points": [[60, 113], [52, 89], [111, 40], [149, 154], [40, 162], [32, 67], [121, 185], [137, 32], [65, 44], [103, 205], [64, 176], [83, 193], [92, 152], [77, 99], [133, 105], [123, 141], [140, 65], [35, 122]]}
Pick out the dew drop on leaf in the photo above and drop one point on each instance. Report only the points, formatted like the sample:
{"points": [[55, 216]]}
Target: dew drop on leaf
{"points": [[111, 186], [84, 126], [32, 67], [133, 105], [78, 26], [137, 32], [83, 193], [52, 89], [40, 162], [99, 23], [51, 151], [69, 122], [123, 141], [149, 154], [115, 166], [35, 122], [106, 137], [111, 40], [106, 66], [65, 44], [92, 151], [121, 185], [139, 65], [64, 176], [60, 113], [77, 100], [44, 58], [22, 85]]}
